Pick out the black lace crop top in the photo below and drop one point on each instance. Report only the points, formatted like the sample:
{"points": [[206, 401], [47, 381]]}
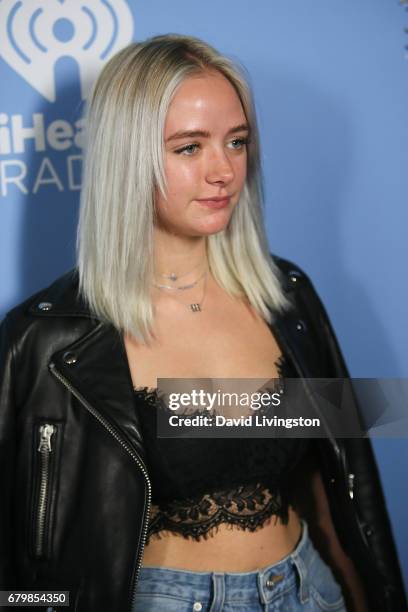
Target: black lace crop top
{"points": [[198, 483]]}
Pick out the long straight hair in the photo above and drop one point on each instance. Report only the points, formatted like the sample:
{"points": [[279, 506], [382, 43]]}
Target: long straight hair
{"points": [[123, 168]]}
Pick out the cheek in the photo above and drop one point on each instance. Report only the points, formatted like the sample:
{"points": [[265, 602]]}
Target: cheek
{"points": [[181, 178], [181, 189], [241, 170]]}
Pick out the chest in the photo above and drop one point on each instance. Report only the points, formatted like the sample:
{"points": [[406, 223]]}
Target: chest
{"points": [[233, 342]]}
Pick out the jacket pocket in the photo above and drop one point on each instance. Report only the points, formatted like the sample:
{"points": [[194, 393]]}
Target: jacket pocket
{"points": [[46, 438]]}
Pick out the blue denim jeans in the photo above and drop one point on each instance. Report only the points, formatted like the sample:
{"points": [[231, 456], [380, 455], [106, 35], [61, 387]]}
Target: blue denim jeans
{"points": [[299, 582]]}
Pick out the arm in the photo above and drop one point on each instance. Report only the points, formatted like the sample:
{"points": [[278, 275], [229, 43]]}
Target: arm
{"points": [[7, 452], [312, 504], [360, 521]]}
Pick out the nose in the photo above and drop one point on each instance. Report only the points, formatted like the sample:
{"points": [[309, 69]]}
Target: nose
{"points": [[220, 169]]}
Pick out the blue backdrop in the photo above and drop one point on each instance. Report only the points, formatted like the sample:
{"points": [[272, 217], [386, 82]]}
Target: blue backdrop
{"points": [[331, 84]]}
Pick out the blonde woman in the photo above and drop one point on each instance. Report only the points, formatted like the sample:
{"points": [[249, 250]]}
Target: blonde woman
{"points": [[174, 280]]}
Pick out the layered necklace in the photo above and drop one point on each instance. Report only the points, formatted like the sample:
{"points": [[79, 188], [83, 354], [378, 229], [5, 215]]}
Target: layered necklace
{"points": [[173, 277]]}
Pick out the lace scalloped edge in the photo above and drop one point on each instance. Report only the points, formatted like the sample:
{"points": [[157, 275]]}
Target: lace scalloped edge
{"points": [[207, 529]]}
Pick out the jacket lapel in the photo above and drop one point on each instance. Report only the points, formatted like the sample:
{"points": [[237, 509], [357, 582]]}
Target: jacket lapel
{"points": [[94, 367]]}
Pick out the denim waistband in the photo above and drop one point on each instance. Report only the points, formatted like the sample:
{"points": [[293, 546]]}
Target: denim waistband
{"points": [[262, 585]]}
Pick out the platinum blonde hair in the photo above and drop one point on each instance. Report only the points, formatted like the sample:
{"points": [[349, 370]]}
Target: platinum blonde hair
{"points": [[124, 166]]}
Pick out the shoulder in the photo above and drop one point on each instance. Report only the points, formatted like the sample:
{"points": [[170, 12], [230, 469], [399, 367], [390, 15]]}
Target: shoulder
{"points": [[309, 314], [297, 283], [47, 313], [60, 298], [293, 278], [298, 287]]}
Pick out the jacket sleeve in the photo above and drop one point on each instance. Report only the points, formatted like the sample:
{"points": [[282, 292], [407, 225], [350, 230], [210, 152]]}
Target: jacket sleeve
{"points": [[7, 458], [366, 495]]}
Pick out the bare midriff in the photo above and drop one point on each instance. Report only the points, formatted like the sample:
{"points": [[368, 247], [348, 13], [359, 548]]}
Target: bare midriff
{"points": [[223, 550]]}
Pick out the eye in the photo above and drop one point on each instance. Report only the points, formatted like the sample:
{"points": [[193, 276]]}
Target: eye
{"points": [[188, 150], [239, 143]]}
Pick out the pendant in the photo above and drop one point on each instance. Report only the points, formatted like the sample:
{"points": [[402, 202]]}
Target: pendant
{"points": [[195, 307], [173, 276]]}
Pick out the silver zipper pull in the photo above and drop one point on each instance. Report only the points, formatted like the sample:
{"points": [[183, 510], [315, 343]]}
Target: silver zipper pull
{"points": [[46, 431], [351, 485]]}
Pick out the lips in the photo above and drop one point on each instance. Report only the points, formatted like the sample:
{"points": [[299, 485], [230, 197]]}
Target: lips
{"points": [[219, 202]]}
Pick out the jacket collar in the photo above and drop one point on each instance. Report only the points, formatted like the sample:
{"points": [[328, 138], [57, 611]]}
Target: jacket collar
{"points": [[62, 299]]}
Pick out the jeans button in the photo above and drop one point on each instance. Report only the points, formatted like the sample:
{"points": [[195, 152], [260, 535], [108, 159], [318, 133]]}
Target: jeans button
{"points": [[197, 606], [273, 581]]}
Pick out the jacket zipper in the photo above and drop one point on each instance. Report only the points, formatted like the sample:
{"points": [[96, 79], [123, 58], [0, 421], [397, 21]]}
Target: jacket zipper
{"points": [[131, 452], [45, 449]]}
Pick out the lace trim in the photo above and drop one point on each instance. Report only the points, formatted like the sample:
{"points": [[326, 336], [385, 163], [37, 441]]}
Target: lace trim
{"points": [[155, 397], [247, 507]]}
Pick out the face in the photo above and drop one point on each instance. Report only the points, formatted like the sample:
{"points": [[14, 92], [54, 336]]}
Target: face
{"points": [[205, 136]]}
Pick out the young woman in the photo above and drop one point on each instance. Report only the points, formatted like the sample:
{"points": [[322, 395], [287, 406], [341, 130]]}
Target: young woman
{"points": [[174, 280]]}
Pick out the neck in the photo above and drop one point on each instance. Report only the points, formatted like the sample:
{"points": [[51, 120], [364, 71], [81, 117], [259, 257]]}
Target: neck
{"points": [[178, 254]]}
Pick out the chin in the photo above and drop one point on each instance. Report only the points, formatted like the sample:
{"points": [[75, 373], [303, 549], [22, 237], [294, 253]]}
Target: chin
{"points": [[211, 228], [213, 224]]}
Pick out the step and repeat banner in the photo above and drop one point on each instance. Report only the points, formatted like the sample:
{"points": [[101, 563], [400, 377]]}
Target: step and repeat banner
{"points": [[331, 88]]}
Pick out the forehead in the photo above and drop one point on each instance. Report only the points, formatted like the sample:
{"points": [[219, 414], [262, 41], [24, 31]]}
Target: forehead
{"points": [[204, 101]]}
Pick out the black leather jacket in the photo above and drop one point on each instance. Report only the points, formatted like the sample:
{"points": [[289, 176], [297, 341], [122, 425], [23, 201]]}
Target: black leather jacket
{"points": [[76, 518]]}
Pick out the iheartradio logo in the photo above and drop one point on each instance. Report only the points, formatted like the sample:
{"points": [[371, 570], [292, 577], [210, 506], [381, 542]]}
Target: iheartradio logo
{"points": [[35, 34]]}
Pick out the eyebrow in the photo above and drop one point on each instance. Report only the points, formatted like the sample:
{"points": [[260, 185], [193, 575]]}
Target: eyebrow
{"points": [[243, 127]]}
